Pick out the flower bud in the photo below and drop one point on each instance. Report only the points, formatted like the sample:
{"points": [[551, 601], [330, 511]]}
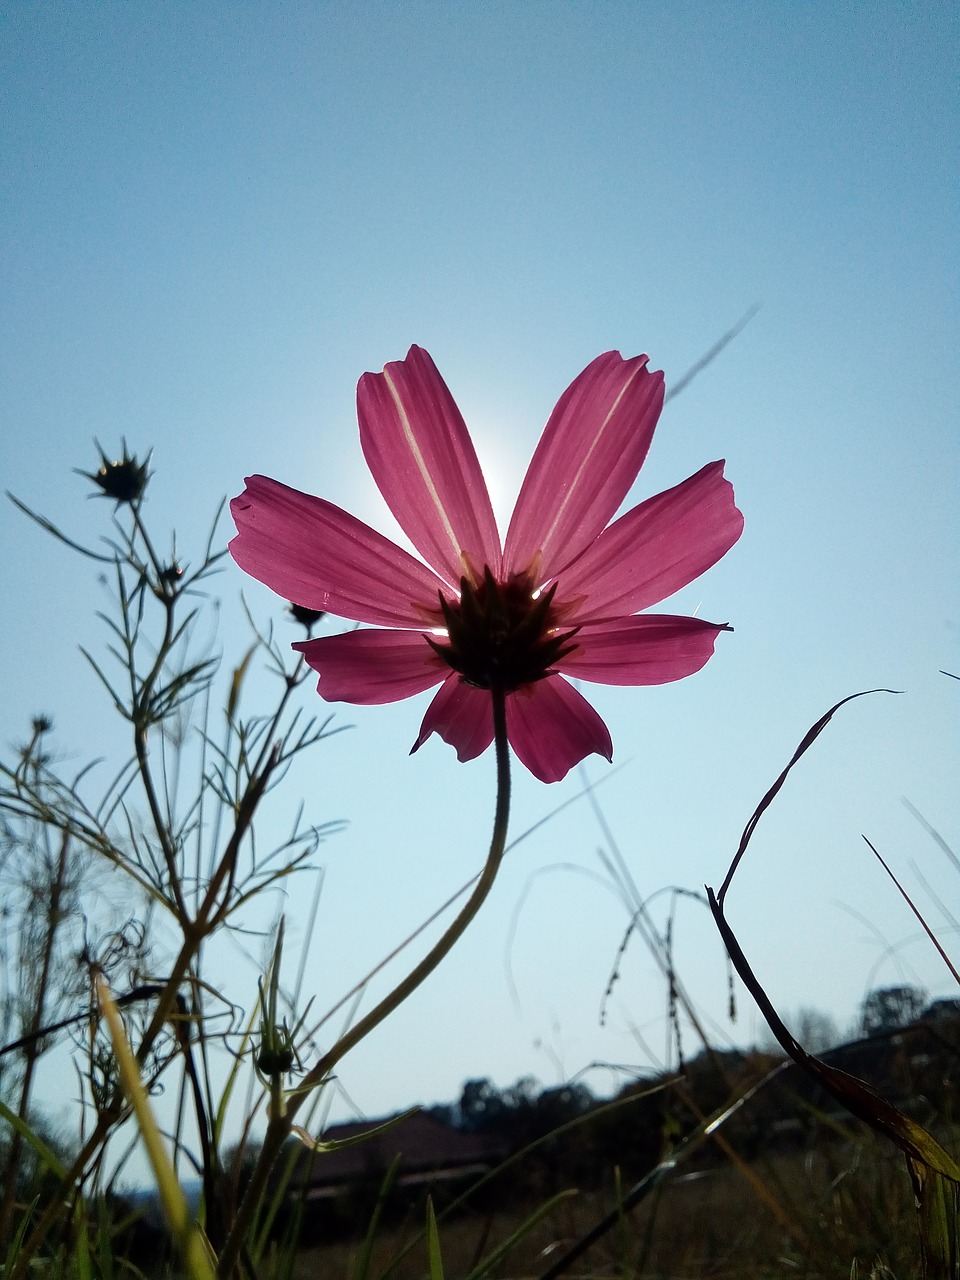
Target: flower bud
{"points": [[124, 480], [306, 617]]}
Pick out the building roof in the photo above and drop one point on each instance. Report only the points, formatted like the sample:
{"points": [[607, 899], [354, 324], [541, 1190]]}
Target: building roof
{"points": [[429, 1150]]}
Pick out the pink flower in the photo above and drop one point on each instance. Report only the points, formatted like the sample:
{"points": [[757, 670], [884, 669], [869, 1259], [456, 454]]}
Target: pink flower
{"points": [[560, 597]]}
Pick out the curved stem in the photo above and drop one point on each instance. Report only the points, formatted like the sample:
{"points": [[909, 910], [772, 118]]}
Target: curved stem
{"points": [[279, 1126], [437, 953]]}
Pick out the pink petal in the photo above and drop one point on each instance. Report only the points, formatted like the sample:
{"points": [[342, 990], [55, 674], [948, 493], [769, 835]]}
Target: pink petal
{"points": [[314, 554], [552, 728], [368, 667], [462, 715], [653, 649], [421, 456], [587, 459], [657, 548]]}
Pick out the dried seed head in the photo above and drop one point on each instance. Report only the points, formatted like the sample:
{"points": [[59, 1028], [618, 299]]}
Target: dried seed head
{"points": [[124, 480]]}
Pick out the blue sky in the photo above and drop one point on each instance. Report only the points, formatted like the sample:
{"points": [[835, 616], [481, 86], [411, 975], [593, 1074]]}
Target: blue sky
{"points": [[216, 218]]}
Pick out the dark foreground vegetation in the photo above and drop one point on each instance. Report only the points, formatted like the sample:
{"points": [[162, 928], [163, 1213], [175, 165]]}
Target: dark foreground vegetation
{"points": [[735, 1164]]}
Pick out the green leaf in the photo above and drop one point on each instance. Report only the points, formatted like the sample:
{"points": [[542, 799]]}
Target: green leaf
{"points": [[433, 1243], [48, 1157], [314, 1144], [856, 1095], [484, 1267], [937, 1212], [236, 684], [361, 1269]]}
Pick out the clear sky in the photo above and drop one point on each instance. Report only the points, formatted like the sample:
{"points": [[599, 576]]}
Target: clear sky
{"points": [[215, 218]]}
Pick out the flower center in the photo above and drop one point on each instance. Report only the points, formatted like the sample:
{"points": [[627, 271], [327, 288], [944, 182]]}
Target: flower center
{"points": [[501, 636]]}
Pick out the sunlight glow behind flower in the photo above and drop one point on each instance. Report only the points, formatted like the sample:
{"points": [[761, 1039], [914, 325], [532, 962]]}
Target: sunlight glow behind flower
{"points": [[559, 597]]}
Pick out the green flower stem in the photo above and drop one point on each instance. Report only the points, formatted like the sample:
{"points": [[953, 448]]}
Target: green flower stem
{"points": [[141, 714], [281, 1118], [154, 558]]}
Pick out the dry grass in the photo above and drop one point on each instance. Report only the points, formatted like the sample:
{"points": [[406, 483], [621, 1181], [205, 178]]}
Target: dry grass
{"points": [[845, 1204]]}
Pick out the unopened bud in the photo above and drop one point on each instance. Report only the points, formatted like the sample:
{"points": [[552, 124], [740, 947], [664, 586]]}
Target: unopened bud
{"points": [[124, 480], [306, 617]]}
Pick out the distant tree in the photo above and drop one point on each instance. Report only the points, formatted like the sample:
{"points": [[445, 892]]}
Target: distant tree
{"points": [[888, 1008], [523, 1095], [238, 1162], [442, 1112], [481, 1107], [563, 1104], [523, 1112], [945, 1009], [816, 1030]]}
